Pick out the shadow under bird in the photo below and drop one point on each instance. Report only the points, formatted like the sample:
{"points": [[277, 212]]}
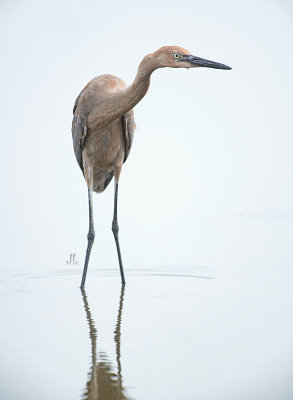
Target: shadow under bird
{"points": [[103, 127]]}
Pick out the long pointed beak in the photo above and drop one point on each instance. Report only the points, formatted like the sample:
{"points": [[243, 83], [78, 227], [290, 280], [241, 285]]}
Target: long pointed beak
{"points": [[201, 62]]}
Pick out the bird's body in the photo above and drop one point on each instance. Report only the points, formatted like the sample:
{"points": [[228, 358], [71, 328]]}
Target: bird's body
{"points": [[103, 126], [107, 143]]}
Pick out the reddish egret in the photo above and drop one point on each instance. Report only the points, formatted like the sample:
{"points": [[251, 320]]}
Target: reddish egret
{"points": [[103, 127]]}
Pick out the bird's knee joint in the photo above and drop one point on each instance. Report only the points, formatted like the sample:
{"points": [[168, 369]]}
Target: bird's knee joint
{"points": [[91, 235], [115, 227]]}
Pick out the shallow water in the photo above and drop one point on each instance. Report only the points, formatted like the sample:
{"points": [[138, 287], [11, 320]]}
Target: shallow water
{"points": [[171, 333]]}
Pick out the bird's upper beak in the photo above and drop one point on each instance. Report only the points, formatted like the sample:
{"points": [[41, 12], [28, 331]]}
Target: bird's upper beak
{"points": [[201, 62]]}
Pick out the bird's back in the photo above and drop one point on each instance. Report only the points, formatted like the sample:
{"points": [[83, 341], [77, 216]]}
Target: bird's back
{"points": [[92, 97]]}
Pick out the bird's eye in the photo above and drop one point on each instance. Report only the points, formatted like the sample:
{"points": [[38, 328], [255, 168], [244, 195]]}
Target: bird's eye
{"points": [[176, 56]]}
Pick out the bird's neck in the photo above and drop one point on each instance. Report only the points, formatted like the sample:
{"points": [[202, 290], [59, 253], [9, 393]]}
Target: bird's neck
{"points": [[139, 87], [122, 101]]}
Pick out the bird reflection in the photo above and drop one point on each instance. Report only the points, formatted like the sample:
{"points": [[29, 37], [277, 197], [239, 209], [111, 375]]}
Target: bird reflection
{"points": [[104, 383]]}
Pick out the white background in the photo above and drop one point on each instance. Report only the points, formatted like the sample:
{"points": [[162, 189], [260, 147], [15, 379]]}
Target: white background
{"points": [[209, 178]]}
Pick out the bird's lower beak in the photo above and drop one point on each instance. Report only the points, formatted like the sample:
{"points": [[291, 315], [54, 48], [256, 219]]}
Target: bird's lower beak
{"points": [[201, 62]]}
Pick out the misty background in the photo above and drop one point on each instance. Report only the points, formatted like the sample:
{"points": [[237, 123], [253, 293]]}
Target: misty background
{"points": [[209, 178]]}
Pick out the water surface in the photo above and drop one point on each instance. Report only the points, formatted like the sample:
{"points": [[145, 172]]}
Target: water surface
{"points": [[172, 333]]}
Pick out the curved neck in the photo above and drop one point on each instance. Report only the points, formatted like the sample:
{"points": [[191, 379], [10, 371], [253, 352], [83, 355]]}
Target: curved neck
{"points": [[145, 69], [139, 87], [122, 101]]}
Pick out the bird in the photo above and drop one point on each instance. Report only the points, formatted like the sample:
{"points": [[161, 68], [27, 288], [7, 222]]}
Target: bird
{"points": [[103, 128]]}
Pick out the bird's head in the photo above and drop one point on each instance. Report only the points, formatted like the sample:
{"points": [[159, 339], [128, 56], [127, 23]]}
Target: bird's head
{"points": [[177, 57]]}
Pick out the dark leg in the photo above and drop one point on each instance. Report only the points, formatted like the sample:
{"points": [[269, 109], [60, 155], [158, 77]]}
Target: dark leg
{"points": [[115, 229], [90, 238]]}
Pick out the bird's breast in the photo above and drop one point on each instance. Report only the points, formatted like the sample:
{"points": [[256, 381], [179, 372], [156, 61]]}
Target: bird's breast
{"points": [[105, 148]]}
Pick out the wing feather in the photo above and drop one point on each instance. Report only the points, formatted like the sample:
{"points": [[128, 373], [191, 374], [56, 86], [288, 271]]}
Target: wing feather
{"points": [[129, 127], [79, 131]]}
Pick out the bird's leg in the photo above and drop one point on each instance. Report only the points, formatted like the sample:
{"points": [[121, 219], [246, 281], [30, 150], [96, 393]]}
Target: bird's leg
{"points": [[90, 238], [115, 229]]}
